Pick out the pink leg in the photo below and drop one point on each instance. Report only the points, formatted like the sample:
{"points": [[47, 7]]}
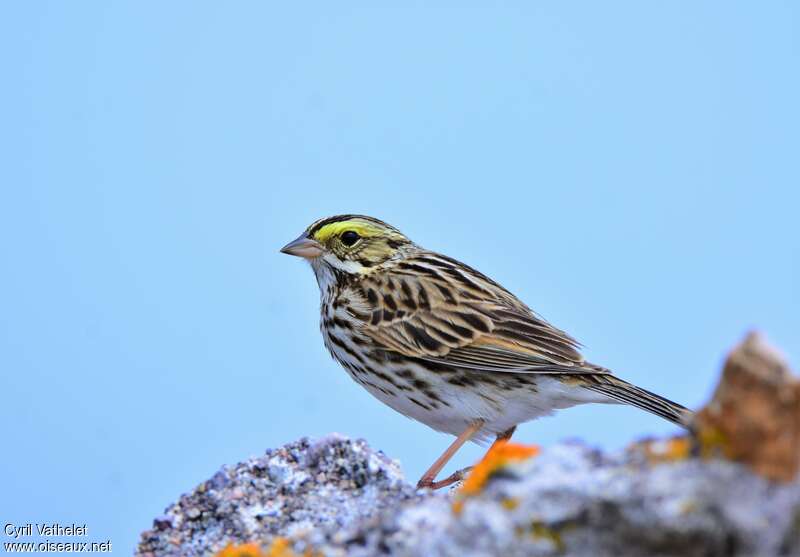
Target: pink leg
{"points": [[427, 479], [459, 475]]}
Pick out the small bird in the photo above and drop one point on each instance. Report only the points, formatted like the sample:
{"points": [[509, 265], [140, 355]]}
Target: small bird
{"points": [[444, 344]]}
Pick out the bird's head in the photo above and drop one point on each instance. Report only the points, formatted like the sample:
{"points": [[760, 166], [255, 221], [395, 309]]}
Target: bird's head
{"points": [[351, 244]]}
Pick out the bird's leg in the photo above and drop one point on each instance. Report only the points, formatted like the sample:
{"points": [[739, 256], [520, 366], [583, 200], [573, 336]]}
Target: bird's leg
{"points": [[505, 436], [458, 475], [427, 479]]}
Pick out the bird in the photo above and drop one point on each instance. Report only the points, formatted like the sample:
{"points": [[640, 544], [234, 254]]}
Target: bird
{"points": [[444, 344]]}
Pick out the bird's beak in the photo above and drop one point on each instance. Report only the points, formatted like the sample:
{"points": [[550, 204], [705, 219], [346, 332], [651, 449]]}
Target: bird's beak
{"points": [[303, 246]]}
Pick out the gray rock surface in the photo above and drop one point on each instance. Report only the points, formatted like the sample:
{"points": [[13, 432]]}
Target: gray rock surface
{"points": [[339, 497]]}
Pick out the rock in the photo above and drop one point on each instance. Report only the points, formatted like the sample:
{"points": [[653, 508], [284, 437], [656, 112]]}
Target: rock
{"points": [[754, 414], [304, 490], [338, 497]]}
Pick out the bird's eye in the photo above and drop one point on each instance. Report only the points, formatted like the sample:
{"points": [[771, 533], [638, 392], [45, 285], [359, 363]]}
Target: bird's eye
{"points": [[350, 237]]}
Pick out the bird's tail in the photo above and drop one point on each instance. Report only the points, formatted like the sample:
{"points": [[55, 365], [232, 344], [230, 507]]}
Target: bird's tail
{"points": [[626, 393]]}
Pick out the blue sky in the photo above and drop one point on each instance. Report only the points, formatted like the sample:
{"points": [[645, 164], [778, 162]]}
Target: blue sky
{"points": [[629, 169]]}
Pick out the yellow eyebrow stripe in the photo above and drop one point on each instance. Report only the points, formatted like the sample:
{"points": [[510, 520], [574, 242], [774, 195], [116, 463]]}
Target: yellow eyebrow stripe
{"points": [[361, 227]]}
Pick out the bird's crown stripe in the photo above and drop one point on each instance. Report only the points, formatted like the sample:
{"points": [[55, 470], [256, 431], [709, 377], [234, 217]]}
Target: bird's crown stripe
{"points": [[329, 230]]}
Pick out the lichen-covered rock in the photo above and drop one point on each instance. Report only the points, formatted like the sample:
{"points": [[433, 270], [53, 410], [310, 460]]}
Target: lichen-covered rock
{"points": [[575, 501], [304, 490], [338, 497], [754, 415]]}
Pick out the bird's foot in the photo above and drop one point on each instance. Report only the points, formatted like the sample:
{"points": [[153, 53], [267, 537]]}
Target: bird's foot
{"points": [[455, 477]]}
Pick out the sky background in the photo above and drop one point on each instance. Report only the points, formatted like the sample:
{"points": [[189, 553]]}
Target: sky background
{"points": [[628, 169]]}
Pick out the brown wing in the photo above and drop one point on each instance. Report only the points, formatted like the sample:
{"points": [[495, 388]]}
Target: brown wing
{"points": [[431, 307]]}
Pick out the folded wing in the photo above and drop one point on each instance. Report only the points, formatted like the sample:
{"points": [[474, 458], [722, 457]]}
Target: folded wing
{"points": [[433, 308]]}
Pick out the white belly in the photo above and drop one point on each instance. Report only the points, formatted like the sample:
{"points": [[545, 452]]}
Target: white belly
{"points": [[435, 398]]}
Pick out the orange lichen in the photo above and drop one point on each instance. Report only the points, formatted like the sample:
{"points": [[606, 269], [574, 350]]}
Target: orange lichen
{"points": [[499, 456], [669, 450], [713, 443], [708, 442], [280, 547], [243, 550], [510, 504], [539, 530]]}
